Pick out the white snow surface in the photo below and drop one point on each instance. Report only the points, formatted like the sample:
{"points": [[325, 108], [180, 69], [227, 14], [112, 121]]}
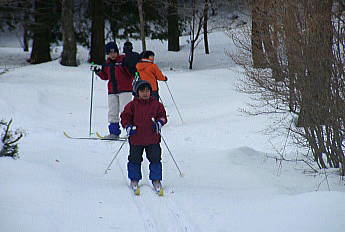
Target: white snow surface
{"points": [[229, 184]]}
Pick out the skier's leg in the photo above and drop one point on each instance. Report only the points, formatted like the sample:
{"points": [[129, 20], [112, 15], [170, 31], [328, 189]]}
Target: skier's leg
{"points": [[154, 154], [112, 108], [134, 162], [113, 115]]}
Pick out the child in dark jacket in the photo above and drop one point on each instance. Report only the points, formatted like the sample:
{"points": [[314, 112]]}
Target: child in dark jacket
{"points": [[143, 118], [131, 58]]}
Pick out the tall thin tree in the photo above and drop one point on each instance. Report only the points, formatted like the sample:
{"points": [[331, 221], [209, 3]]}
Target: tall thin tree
{"points": [[206, 7], [258, 53], [196, 24], [173, 27], [97, 52], [142, 24], [68, 56], [40, 52]]}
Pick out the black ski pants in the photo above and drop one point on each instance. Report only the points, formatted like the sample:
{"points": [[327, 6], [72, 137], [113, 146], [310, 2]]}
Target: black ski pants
{"points": [[153, 153]]}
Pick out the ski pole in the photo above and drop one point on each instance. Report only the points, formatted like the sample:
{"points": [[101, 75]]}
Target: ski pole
{"points": [[91, 99], [181, 174], [166, 145], [116, 154], [174, 102]]}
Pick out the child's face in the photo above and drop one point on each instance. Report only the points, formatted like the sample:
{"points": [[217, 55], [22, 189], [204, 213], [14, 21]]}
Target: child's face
{"points": [[152, 58], [144, 93], [113, 55]]}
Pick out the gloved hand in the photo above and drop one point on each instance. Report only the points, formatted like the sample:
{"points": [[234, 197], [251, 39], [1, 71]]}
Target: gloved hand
{"points": [[166, 78], [157, 126], [96, 68], [131, 130]]}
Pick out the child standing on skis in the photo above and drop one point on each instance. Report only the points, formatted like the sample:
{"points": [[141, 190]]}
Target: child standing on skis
{"points": [[131, 57], [150, 72], [119, 87], [143, 119]]}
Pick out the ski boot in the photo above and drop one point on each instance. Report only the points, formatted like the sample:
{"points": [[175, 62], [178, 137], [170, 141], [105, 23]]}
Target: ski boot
{"points": [[158, 187], [135, 187]]}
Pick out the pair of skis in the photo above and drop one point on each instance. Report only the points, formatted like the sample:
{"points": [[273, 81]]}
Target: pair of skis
{"points": [[98, 137], [157, 189], [135, 188]]}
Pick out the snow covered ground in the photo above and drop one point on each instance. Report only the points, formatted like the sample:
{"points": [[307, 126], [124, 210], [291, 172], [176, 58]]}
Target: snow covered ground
{"points": [[229, 184]]}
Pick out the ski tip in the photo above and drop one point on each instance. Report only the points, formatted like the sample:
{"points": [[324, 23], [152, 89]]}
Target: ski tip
{"points": [[99, 136], [65, 133]]}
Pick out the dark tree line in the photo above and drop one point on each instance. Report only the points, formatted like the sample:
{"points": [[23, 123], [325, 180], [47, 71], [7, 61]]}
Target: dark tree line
{"points": [[86, 23], [90, 23]]}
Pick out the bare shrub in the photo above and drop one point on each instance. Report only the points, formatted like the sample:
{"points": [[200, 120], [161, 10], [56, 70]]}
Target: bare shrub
{"points": [[293, 57]]}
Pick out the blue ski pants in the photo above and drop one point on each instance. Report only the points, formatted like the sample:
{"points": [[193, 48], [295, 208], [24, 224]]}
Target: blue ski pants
{"points": [[135, 158]]}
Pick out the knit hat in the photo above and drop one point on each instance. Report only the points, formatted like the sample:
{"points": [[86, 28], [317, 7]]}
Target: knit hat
{"points": [[111, 47], [147, 54], [127, 47], [141, 84]]}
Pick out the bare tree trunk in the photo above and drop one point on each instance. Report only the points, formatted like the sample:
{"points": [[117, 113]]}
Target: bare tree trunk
{"points": [[173, 28], [269, 19], [40, 52], [25, 39], [318, 71], [207, 51], [293, 50], [114, 24], [257, 47], [26, 31], [142, 24], [97, 52], [195, 29], [68, 56]]}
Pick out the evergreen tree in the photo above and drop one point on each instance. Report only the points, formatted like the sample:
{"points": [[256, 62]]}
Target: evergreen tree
{"points": [[9, 139]]}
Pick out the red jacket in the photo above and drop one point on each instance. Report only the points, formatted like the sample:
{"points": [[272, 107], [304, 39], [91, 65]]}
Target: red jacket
{"points": [[139, 113], [120, 80]]}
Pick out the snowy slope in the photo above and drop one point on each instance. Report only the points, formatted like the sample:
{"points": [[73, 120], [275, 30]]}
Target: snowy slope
{"points": [[229, 184]]}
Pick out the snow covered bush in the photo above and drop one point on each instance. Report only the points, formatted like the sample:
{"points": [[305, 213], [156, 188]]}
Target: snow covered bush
{"points": [[9, 139]]}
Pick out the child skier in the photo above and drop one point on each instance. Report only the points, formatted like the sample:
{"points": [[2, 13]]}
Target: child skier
{"points": [[131, 57], [150, 72], [119, 87], [143, 119]]}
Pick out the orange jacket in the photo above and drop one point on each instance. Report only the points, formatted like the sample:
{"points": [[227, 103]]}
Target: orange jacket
{"points": [[150, 72]]}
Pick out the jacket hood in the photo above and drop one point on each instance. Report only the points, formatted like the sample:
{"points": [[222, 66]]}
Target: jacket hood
{"points": [[140, 83], [141, 66]]}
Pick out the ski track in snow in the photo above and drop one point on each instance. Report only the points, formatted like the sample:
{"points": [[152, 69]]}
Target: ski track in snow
{"points": [[155, 209], [149, 224]]}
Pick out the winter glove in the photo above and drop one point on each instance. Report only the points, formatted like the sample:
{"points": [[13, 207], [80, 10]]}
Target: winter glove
{"points": [[157, 126], [166, 78], [96, 68], [131, 130]]}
